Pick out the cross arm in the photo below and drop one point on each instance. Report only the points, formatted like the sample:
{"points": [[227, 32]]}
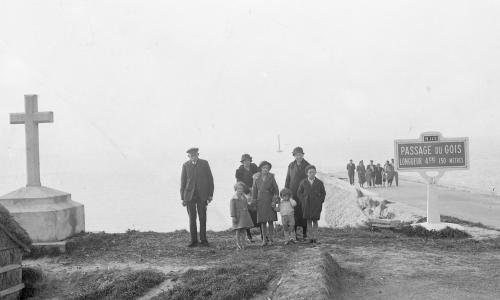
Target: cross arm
{"points": [[17, 118], [44, 117], [38, 117]]}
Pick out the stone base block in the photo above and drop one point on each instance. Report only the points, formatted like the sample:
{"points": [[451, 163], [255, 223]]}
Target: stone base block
{"points": [[48, 249], [46, 214]]}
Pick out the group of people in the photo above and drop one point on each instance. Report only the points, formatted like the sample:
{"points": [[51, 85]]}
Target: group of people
{"points": [[257, 199], [373, 175]]}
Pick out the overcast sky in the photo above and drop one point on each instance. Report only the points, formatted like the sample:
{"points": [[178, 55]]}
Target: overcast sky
{"points": [[131, 76]]}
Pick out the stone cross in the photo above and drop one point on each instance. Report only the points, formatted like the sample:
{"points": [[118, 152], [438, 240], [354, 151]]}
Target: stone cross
{"points": [[30, 119]]}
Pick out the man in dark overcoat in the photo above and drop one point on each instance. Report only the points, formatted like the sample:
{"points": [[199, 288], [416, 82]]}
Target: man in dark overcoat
{"points": [[295, 174], [351, 167], [197, 190]]}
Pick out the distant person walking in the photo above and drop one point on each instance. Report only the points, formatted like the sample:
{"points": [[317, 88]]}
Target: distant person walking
{"points": [[351, 168], [295, 174], [265, 194], [389, 171], [369, 174], [396, 175], [245, 174], [312, 194], [361, 173], [197, 189], [371, 166], [378, 175]]}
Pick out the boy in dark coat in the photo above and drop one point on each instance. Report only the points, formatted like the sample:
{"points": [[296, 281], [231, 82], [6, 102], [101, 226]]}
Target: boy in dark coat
{"points": [[296, 173], [197, 190], [312, 194], [245, 174]]}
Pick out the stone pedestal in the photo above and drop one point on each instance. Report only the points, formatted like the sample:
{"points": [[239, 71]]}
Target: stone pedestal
{"points": [[47, 215]]}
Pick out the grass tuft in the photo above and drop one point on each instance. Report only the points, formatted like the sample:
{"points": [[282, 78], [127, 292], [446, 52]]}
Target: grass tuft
{"points": [[128, 286], [419, 231], [233, 282]]}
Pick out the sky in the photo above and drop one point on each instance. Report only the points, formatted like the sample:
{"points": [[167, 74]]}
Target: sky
{"points": [[133, 84], [127, 78]]}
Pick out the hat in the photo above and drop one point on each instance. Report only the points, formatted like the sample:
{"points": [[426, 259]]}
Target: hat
{"points": [[265, 163], [246, 157], [192, 150], [309, 167], [286, 191], [298, 150]]}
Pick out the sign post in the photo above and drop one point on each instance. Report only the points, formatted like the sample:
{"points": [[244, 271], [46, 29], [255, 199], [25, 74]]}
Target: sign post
{"points": [[432, 153]]}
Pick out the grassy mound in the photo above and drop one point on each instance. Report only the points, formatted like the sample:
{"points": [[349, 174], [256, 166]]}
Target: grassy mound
{"points": [[8, 223], [127, 286], [232, 282], [419, 231]]}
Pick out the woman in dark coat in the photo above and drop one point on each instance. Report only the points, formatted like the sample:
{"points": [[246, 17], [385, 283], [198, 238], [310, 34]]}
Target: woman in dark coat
{"points": [[312, 194], [295, 174], [245, 174], [361, 173], [265, 194]]}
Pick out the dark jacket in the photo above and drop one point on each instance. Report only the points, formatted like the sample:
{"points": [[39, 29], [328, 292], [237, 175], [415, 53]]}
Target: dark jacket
{"points": [[351, 168], [295, 175], [246, 176], [311, 198], [196, 177]]}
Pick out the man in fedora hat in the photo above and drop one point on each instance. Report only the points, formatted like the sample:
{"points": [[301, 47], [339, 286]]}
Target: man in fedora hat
{"points": [[197, 189], [296, 173], [245, 174]]}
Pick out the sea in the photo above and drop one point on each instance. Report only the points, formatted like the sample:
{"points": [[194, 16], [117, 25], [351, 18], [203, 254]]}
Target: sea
{"points": [[141, 191]]}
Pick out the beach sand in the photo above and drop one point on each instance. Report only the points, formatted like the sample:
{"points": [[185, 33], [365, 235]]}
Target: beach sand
{"points": [[470, 206]]}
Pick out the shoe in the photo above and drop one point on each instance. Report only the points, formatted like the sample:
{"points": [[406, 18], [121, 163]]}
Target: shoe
{"points": [[204, 243], [292, 241], [193, 244]]}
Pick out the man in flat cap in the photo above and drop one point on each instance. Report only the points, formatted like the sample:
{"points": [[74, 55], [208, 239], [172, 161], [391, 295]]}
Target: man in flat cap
{"points": [[296, 173], [197, 190]]}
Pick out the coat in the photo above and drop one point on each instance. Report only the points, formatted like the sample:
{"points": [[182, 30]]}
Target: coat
{"points": [[361, 173], [239, 211], [311, 198], [264, 193], [246, 176], [378, 175], [294, 176], [197, 177], [370, 172], [351, 168], [389, 170]]}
